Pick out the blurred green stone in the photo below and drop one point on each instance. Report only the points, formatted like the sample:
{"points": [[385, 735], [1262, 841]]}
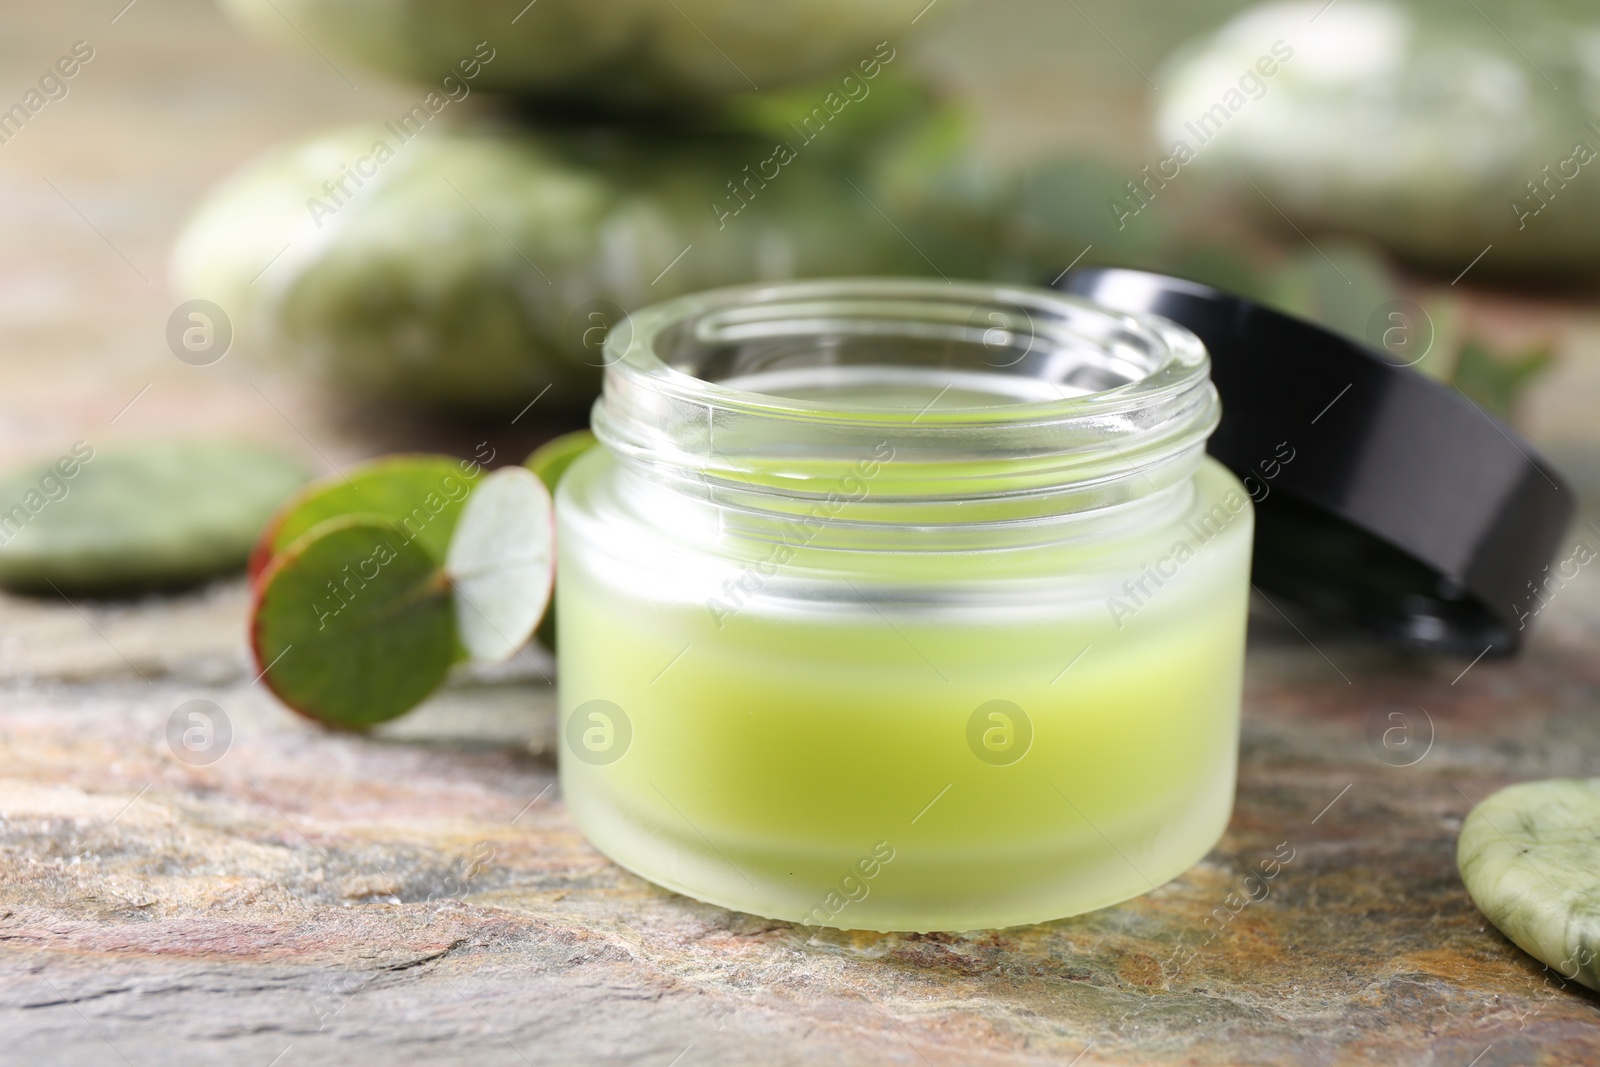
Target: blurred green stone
{"points": [[130, 518], [483, 269], [1432, 128], [628, 52]]}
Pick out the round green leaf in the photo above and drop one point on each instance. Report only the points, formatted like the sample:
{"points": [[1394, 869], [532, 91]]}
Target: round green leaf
{"points": [[551, 459], [354, 623], [422, 495], [129, 518], [501, 563]]}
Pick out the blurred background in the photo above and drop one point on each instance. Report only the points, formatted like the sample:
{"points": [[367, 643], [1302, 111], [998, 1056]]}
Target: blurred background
{"points": [[1341, 160]]}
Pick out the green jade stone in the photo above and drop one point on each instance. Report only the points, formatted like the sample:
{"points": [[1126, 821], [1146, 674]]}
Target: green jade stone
{"points": [[130, 518], [1529, 857]]}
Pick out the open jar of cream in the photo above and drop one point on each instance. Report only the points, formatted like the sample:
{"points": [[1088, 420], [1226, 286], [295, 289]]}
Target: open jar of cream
{"points": [[902, 605]]}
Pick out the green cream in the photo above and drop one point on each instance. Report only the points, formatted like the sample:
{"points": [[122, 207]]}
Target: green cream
{"points": [[827, 751], [902, 605]]}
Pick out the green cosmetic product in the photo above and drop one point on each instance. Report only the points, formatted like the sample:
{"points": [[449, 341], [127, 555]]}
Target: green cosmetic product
{"points": [[898, 605]]}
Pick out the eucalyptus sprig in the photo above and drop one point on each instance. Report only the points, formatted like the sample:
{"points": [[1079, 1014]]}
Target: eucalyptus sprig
{"points": [[371, 585]]}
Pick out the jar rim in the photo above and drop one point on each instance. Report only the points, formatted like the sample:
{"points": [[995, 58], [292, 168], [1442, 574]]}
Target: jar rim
{"points": [[1084, 450], [1179, 359]]}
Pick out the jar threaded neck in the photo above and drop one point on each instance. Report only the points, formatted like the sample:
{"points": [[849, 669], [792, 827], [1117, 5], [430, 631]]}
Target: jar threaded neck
{"points": [[905, 403]]}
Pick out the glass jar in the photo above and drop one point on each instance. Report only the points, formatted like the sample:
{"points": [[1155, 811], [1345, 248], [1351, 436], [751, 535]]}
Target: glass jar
{"points": [[902, 605]]}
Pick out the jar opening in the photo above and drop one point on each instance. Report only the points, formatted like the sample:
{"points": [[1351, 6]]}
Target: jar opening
{"points": [[873, 352], [763, 397]]}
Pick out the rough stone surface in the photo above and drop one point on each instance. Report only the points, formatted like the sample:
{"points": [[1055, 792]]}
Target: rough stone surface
{"points": [[421, 895]]}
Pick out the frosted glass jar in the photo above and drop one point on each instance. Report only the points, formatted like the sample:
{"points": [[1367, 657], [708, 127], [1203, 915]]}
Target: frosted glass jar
{"points": [[901, 605]]}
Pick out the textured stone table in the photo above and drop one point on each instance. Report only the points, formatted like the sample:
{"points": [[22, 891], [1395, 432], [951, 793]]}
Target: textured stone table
{"points": [[422, 896]]}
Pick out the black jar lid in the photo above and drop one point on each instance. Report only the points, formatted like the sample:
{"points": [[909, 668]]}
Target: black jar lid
{"points": [[1384, 499]]}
